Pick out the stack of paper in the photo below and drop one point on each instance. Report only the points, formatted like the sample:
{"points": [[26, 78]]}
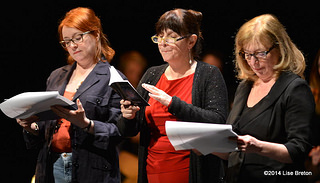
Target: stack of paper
{"points": [[205, 137], [27, 104]]}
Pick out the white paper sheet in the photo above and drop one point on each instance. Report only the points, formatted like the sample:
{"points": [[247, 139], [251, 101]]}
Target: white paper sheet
{"points": [[205, 137], [115, 76], [30, 103]]}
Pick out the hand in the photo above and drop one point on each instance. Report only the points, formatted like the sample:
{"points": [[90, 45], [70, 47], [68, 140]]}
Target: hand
{"points": [[128, 111], [76, 117], [28, 125], [247, 144], [315, 155], [158, 94]]}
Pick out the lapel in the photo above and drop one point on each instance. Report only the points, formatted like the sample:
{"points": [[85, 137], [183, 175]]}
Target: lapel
{"points": [[65, 77], [102, 68], [277, 89], [239, 101]]}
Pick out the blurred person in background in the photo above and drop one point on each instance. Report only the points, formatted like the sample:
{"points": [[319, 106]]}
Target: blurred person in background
{"points": [[314, 82], [132, 64]]}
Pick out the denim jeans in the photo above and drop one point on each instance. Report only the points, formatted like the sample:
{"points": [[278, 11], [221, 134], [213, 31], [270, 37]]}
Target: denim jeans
{"points": [[62, 168]]}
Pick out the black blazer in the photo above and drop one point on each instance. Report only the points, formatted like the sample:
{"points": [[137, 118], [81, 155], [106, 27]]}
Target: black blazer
{"points": [[94, 157], [209, 105], [283, 116]]}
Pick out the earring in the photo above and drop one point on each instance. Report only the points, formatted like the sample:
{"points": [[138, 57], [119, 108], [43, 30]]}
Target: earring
{"points": [[190, 59]]}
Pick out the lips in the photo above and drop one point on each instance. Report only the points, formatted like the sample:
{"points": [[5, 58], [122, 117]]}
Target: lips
{"points": [[76, 52]]}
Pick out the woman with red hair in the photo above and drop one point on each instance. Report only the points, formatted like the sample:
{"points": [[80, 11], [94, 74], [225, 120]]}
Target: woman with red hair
{"points": [[81, 145]]}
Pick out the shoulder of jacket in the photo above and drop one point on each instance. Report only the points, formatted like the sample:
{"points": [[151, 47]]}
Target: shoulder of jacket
{"points": [[157, 68], [59, 71], [205, 66], [297, 83], [154, 71], [65, 68]]}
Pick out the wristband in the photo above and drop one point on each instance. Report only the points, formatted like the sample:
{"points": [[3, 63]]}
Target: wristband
{"points": [[86, 129]]}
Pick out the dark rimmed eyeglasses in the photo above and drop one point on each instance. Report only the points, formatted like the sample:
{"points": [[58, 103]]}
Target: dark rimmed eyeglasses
{"points": [[261, 55], [78, 38]]}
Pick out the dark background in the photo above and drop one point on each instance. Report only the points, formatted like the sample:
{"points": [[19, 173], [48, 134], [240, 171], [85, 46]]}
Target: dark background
{"points": [[30, 50]]}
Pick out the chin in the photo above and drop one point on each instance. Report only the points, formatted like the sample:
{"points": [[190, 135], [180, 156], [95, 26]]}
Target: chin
{"points": [[167, 59]]}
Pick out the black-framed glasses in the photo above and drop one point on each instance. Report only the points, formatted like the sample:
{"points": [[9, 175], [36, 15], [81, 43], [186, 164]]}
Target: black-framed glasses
{"points": [[78, 38], [168, 40], [258, 55]]}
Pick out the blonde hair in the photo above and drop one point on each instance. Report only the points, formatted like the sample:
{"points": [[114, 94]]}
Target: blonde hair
{"points": [[267, 30]]}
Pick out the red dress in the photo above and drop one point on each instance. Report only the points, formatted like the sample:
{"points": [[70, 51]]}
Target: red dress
{"points": [[164, 164]]}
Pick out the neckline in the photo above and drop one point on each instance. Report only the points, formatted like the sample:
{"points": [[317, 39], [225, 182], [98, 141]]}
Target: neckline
{"points": [[172, 80]]}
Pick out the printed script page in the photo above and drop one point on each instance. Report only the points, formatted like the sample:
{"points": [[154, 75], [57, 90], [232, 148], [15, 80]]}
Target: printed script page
{"points": [[205, 137], [30, 103]]}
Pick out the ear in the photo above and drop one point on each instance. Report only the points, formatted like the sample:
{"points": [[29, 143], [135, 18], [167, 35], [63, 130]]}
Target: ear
{"points": [[192, 41], [98, 36]]}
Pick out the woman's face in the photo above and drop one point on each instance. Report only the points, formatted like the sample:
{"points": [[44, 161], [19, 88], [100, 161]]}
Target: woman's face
{"points": [[174, 51], [84, 51], [263, 68]]}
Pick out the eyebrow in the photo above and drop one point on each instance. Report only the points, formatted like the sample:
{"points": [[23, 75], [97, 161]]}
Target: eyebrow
{"points": [[73, 35], [258, 50]]}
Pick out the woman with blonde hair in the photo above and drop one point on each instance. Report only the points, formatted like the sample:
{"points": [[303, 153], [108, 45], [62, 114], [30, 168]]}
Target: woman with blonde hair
{"points": [[81, 145], [273, 106]]}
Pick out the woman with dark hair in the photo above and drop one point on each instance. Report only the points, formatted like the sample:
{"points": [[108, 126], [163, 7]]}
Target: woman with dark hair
{"points": [[183, 89], [81, 145]]}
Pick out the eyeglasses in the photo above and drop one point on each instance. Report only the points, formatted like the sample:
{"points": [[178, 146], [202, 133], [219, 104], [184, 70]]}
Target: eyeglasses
{"points": [[78, 38], [258, 55], [168, 40]]}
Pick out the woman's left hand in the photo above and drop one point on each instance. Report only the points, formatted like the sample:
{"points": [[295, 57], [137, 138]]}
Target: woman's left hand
{"points": [[247, 143], [158, 94], [76, 117]]}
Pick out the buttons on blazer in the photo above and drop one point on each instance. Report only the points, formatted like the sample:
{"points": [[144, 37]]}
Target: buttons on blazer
{"points": [[75, 164], [106, 167], [96, 100]]}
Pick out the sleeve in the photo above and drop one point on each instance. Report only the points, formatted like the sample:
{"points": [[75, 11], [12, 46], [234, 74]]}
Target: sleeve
{"points": [[212, 96], [103, 131], [33, 141], [130, 128], [299, 110]]}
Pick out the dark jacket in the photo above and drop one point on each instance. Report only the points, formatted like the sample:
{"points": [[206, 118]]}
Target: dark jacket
{"points": [[94, 157], [283, 116], [209, 105]]}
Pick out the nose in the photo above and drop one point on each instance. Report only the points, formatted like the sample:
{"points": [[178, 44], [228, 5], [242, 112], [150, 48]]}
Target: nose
{"points": [[161, 42], [255, 59], [73, 45]]}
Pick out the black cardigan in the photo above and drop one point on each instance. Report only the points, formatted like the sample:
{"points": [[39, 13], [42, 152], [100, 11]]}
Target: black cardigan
{"points": [[209, 105]]}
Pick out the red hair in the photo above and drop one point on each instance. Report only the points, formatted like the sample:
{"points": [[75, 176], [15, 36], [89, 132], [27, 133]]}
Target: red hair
{"points": [[85, 19]]}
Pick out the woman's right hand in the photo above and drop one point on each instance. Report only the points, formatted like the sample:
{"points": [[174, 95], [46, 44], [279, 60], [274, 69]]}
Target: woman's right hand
{"points": [[128, 111], [29, 124]]}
